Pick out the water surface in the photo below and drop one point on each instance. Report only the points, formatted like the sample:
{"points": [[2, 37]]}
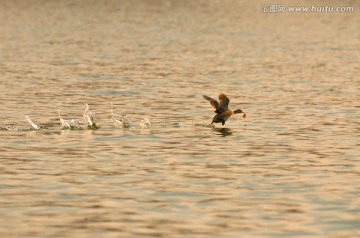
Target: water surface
{"points": [[290, 169]]}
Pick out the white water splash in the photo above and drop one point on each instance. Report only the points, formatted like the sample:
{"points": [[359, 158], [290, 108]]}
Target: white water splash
{"points": [[9, 128], [185, 124], [36, 127], [145, 123], [120, 121], [88, 116], [68, 124]]}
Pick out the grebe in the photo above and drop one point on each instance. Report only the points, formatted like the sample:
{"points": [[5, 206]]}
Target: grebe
{"points": [[223, 113]]}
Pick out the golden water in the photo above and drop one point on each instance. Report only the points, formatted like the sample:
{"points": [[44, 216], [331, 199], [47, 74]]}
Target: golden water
{"points": [[290, 169]]}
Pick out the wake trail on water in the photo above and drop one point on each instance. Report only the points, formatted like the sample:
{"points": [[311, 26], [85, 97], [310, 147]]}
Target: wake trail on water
{"points": [[119, 121], [123, 121]]}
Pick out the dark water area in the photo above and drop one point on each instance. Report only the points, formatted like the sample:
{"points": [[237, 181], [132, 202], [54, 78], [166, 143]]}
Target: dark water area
{"points": [[291, 168]]}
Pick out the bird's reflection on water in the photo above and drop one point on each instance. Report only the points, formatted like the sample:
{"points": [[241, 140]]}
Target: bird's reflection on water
{"points": [[223, 131]]}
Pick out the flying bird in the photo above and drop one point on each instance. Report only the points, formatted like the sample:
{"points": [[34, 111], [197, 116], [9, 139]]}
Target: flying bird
{"points": [[223, 113]]}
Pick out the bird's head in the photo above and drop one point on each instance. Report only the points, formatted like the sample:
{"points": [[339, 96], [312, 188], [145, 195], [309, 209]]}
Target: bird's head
{"points": [[240, 111]]}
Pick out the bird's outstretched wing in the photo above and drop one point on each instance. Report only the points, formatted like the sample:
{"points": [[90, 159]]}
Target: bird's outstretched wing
{"points": [[224, 103], [213, 102]]}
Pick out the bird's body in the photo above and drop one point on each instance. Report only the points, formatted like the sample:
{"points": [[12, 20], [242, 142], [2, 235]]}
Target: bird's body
{"points": [[223, 113]]}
